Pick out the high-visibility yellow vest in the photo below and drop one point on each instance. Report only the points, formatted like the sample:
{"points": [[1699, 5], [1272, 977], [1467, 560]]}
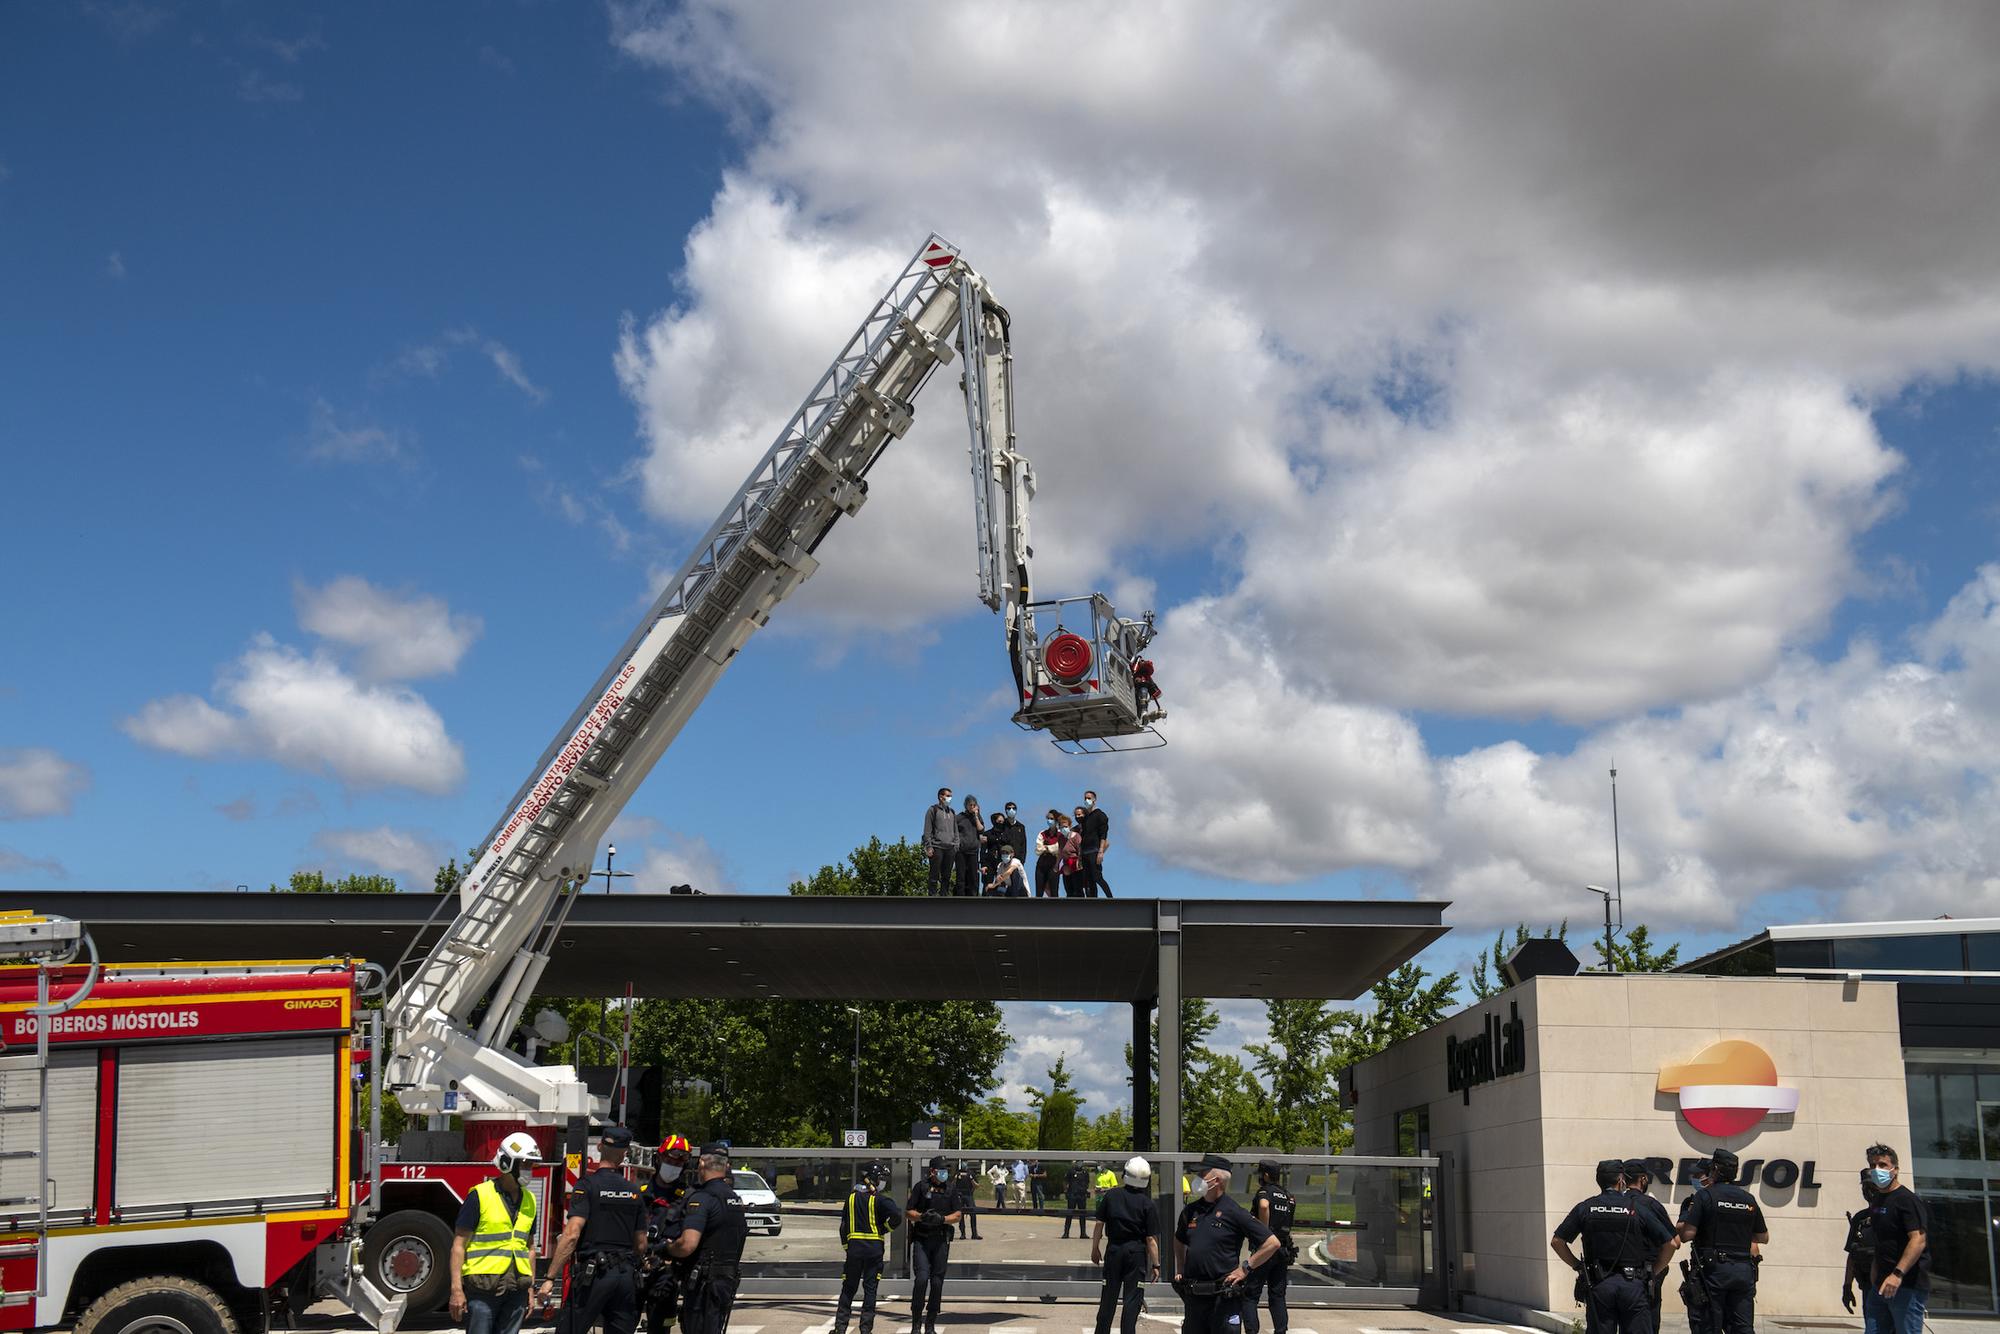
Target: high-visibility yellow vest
{"points": [[1107, 1179], [501, 1241], [863, 1224]]}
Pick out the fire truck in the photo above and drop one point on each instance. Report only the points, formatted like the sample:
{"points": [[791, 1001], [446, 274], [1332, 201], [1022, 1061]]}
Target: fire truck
{"points": [[178, 1146], [245, 1205]]}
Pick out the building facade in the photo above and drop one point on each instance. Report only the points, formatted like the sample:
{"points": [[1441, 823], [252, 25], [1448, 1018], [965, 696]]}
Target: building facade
{"points": [[1530, 1088]]}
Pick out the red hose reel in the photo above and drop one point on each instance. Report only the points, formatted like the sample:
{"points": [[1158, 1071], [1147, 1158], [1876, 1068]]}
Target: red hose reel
{"points": [[1067, 658]]}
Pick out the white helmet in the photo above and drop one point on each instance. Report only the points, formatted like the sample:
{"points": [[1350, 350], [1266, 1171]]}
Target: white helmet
{"points": [[1138, 1172], [516, 1149]]}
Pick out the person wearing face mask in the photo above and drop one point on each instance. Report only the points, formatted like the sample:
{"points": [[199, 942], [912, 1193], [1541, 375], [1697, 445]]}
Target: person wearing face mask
{"points": [[1048, 856], [1209, 1271], [1699, 1313], [866, 1221], [1726, 1225], [940, 844], [606, 1234], [1899, 1287], [1095, 826], [971, 843], [932, 1209], [1013, 833], [493, 1243], [664, 1199]]}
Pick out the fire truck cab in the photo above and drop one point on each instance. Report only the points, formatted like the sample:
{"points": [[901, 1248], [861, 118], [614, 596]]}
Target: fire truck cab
{"points": [[178, 1147]]}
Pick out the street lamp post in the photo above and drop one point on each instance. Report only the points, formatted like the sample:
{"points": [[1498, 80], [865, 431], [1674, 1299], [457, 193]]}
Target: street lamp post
{"points": [[855, 1124], [1608, 897]]}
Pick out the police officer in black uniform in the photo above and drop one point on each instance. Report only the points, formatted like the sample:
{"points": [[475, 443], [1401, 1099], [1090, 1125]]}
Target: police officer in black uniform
{"points": [[1638, 1177], [865, 1223], [1208, 1241], [932, 1208], [1609, 1172], [1692, 1296], [713, 1230], [1275, 1209], [1622, 1244], [1130, 1217], [1725, 1225], [1076, 1195], [605, 1232], [663, 1196]]}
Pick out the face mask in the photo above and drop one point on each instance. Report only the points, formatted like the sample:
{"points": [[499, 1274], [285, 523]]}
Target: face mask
{"points": [[523, 1170], [1088, 802], [1010, 812], [941, 1176], [668, 1172], [1881, 1176]]}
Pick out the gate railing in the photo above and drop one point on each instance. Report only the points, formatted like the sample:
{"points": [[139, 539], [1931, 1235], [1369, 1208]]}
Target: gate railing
{"points": [[1370, 1231]]}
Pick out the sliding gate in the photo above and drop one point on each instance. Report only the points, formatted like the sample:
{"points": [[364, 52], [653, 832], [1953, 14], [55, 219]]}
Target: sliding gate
{"points": [[1370, 1231]]}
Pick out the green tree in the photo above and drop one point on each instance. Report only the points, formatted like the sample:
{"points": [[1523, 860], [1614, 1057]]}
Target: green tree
{"points": [[1109, 1133], [1223, 1108], [877, 869], [988, 1124], [1406, 1003], [1635, 953], [1058, 1105], [315, 882], [1300, 1066], [448, 877], [1487, 982]]}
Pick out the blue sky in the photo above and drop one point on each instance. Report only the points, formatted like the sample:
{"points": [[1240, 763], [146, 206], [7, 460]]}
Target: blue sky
{"points": [[366, 368]]}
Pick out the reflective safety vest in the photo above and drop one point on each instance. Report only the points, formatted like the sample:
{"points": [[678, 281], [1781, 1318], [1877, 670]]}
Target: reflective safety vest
{"points": [[864, 1224], [501, 1241]]}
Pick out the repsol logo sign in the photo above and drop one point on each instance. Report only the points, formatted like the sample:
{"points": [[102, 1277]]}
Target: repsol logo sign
{"points": [[1500, 1049], [1772, 1174]]}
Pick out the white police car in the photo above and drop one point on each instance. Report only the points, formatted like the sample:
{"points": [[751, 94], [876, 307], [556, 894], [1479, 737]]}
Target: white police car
{"points": [[760, 1202]]}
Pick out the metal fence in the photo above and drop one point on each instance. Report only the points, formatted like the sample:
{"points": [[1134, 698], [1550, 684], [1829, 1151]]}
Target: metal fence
{"points": [[1370, 1231]]}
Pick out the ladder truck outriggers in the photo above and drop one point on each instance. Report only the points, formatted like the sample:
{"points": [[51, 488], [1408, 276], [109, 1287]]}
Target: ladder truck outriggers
{"points": [[1078, 668]]}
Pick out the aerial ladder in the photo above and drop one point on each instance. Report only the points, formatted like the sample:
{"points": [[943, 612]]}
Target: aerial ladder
{"points": [[1085, 682]]}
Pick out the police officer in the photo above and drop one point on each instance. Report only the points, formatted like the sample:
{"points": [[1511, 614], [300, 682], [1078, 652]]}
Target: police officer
{"points": [[966, 1187], [1622, 1245], [1131, 1217], [1208, 1243], [1076, 1195], [865, 1223], [605, 1232], [713, 1230], [1275, 1209], [1725, 1225], [1609, 1173], [664, 1196], [1638, 1177], [932, 1208]]}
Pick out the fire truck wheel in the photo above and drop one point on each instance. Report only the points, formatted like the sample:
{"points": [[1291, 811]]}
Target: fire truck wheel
{"points": [[158, 1305], [409, 1253]]}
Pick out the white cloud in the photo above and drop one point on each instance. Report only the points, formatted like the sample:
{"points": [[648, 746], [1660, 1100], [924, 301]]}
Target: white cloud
{"points": [[660, 858], [19, 863], [432, 359], [1505, 381], [412, 858], [256, 86], [114, 265], [397, 636], [328, 440], [1089, 1038], [305, 712], [36, 782]]}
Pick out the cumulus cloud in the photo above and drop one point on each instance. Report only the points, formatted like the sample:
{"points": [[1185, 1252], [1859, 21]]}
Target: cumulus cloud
{"points": [[36, 782], [395, 636], [306, 712], [1498, 378], [1090, 1040], [412, 858]]}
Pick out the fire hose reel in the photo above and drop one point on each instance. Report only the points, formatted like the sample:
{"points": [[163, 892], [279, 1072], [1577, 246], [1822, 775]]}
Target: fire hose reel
{"points": [[1067, 658]]}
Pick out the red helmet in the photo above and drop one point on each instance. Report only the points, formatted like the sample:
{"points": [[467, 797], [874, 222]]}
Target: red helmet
{"points": [[675, 1144]]}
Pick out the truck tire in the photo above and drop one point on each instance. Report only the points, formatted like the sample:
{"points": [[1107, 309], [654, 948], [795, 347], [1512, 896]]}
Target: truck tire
{"points": [[161, 1304], [408, 1253]]}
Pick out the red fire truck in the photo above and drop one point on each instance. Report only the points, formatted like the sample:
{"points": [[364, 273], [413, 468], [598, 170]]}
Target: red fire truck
{"points": [[178, 1149]]}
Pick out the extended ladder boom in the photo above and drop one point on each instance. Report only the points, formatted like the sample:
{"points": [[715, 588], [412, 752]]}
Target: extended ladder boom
{"points": [[512, 902], [756, 554]]}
